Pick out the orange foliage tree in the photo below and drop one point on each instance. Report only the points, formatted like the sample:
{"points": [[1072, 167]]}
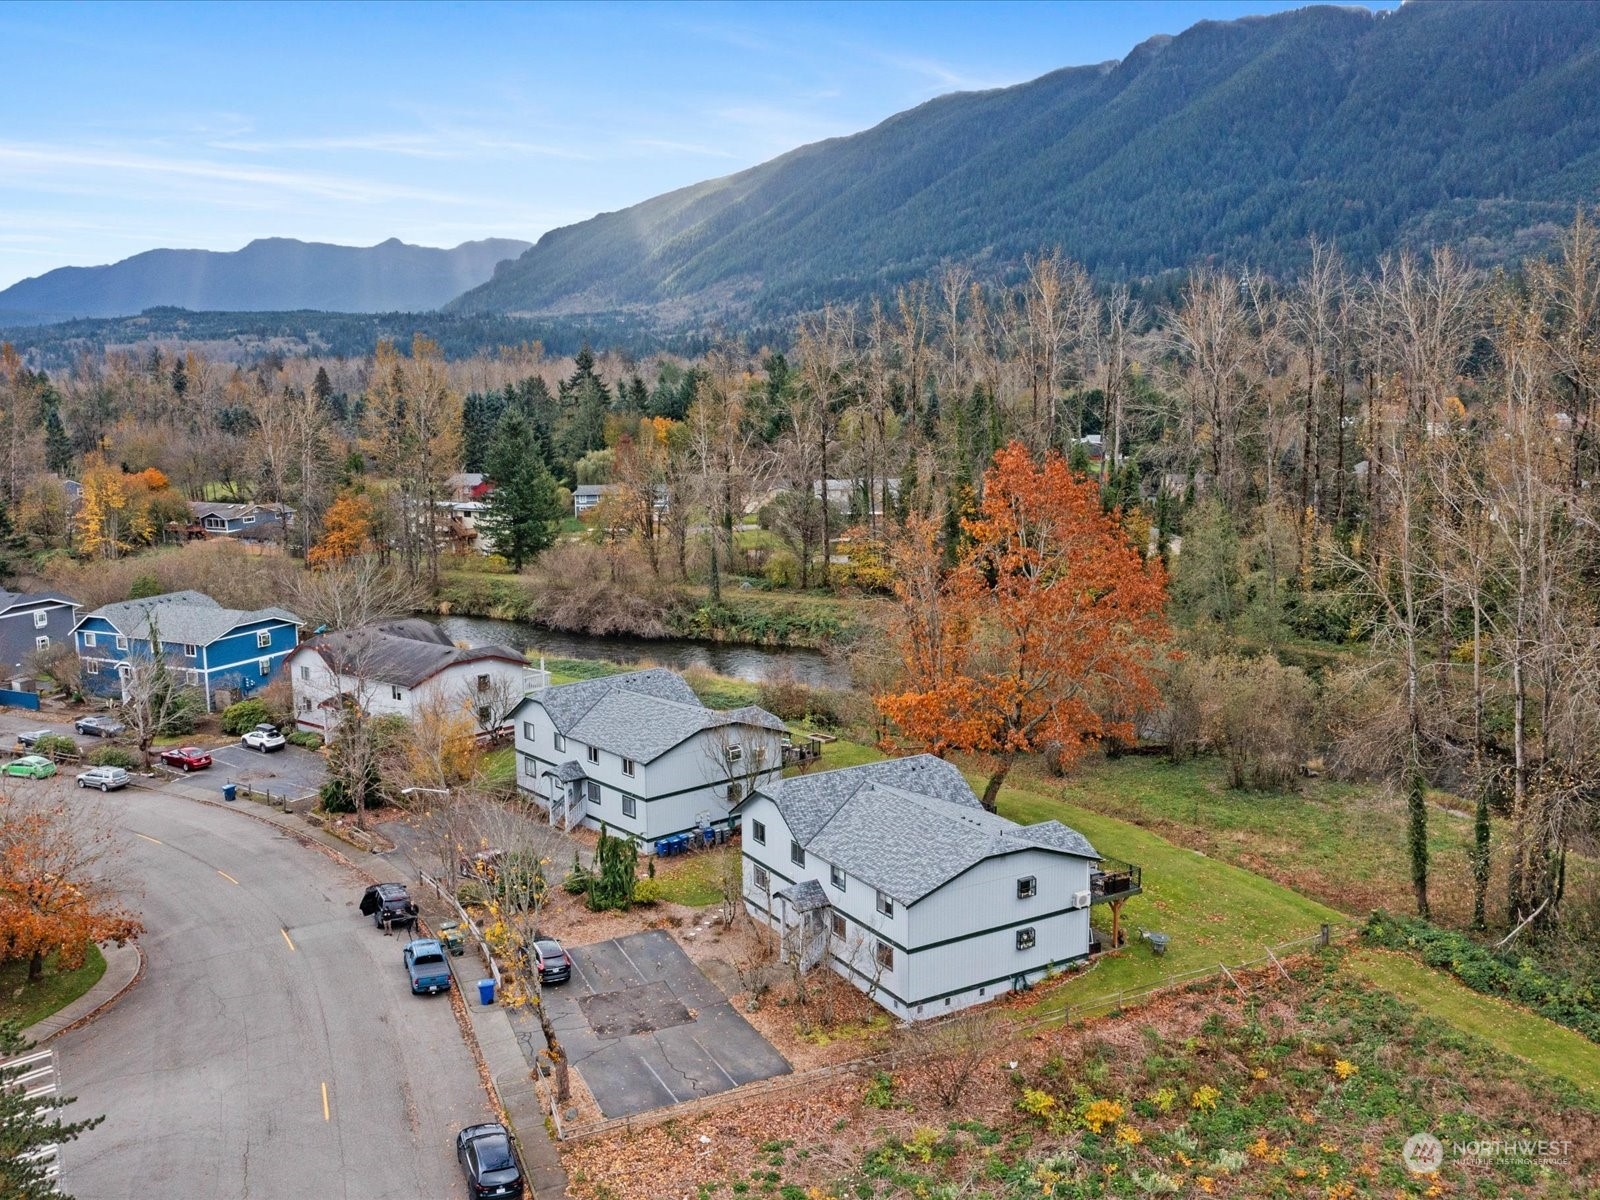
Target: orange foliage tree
{"points": [[1043, 633], [54, 897], [346, 531]]}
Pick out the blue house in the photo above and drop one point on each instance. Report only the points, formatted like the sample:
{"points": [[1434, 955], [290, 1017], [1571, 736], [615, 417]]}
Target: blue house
{"points": [[247, 522], [33, 622], [225, 653]]}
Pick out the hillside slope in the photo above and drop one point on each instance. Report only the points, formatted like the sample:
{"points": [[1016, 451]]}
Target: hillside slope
{"points": [[270, 274], [1469, 121]]}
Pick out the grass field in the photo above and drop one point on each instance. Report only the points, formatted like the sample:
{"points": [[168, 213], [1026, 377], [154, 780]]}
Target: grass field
{"points": [[26, 1003], [1506, 1027]]}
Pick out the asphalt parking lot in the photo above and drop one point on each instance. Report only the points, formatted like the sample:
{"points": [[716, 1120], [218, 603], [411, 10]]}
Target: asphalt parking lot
{"points": [[646, 1028], [291, 770]]}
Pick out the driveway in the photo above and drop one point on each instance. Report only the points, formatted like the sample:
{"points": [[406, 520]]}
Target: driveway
{"points": [[646, 1029], [290, 770], [273, 1048]]}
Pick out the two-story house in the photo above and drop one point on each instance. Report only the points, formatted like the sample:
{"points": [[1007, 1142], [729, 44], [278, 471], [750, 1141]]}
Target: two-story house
{"points": [[895, 875], [34, 621], [401, 668], [225, 653], [247, 522], [639, 754]]}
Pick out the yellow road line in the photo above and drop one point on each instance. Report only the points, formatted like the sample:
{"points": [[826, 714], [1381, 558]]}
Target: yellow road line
{"points": [[286, 938], [325, 1115], [148, 838], [228, 877]]}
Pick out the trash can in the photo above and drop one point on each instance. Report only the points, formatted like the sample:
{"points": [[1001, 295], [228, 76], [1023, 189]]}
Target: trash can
{"points": [[486, 992], [230, 792]]}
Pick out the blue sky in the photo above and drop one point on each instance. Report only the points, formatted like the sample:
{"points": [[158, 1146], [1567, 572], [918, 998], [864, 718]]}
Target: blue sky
{"points": [[130, 126]]}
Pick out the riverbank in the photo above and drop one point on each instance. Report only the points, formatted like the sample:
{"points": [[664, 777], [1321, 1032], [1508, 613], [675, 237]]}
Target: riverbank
{"points": [[744, 616]]}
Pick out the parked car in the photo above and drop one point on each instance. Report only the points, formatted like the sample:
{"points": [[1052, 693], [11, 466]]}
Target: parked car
{"points": [[552, 962], [389, 904], [425, 963], [186, 758], [107, 779], [31, 766], [485, 865], [99, 726], [490, 1162], [32, 736], [264, 738]]}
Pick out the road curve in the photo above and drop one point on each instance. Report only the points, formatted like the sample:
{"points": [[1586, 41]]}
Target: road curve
{"points": [[273, 1049]]}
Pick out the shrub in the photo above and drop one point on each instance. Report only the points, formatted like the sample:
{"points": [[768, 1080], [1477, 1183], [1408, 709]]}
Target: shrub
{"points": [[880, 1091], [245, 715], [647, 891], [55, 745], [114, 756], [310, 741], [471, 893]]}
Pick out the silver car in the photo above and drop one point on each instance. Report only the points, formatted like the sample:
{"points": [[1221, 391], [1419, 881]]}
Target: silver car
{"points": [[264, 738], [107, 779], [99, 726]]}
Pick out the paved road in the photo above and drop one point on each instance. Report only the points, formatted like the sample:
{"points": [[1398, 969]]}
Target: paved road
{"points": [[263, 987]]}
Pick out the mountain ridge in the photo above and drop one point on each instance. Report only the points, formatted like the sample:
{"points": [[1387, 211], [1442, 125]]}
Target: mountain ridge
{"points": [[267, 274], [1233, 139]]}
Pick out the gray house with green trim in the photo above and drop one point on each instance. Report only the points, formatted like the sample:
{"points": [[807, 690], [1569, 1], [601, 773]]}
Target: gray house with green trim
{"points": [[894, 875], [639, 754]]}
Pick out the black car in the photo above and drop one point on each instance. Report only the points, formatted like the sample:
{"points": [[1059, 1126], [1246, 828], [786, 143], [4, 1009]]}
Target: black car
{"points": [[389, 904], [490, 1161], [554, 963]]}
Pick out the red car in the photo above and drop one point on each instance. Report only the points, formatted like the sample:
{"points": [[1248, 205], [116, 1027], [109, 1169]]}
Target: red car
{"points": [[189, 758]]}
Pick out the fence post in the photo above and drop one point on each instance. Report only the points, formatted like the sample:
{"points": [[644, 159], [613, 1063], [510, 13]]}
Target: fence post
{"points": [[1323, 937]]}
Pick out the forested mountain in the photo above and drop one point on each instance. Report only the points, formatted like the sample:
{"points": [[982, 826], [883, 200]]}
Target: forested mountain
{"points": [[1473, 123], [270, 274]]}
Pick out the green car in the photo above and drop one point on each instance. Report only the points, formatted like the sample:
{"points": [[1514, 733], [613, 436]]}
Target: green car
{"points": [[33, 766]]}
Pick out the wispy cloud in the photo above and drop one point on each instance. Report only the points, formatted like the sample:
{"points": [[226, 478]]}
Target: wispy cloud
{"points": [[435, 145], [672, 147]]}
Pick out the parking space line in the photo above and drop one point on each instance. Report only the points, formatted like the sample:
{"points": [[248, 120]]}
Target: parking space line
{"points": [[148, 838], [732, 1082], [645, 1062], [228, 877], [325, 1115], [286, 938]]}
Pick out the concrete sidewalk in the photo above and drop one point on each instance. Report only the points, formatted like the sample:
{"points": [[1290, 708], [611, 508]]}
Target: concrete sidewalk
{"points": [[123, 964]]}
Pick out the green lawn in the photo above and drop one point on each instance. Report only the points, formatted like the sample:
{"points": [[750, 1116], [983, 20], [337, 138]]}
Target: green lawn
{"points": [[26, 1003], [693, 879], [1506, 1027], [500, 765]]}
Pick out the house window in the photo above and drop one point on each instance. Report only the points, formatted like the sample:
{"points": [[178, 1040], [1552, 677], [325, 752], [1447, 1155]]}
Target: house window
{"points": [[735, 753], [735, 793], [305, 673], [527, 731], [594, 754], [886, 904], [530, 765], [91, 666], [762, 881], [627, 767], [594, 793], [215, 523], [561, 742], [88, 639], [630, 806], [249, 520], [122, 642], [797, 854], [483, 683], [836, 926], [264, 667], [41, 618], [1025, 938], [483, 715], [836, 874], [42, 642], [192, 651], [885, 956], [305, 703], [758, 830], [263, 638], [192, 678], [396, 694], [1027, 888]]}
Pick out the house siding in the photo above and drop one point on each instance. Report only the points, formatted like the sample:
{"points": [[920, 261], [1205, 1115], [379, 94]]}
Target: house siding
{"points": [[230, 662], [19, 635], [454, 683]]}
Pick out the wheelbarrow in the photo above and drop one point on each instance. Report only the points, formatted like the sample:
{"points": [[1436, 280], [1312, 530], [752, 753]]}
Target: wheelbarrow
{"points": [[453, 938], [1158, 941]]}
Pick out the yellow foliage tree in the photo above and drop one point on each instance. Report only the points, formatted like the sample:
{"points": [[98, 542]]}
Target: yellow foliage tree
{"points": [[346, 531]]}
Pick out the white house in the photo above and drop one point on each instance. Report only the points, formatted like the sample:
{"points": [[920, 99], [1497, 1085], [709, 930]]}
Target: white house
{"points": [[401, 667], [639, 754], [895, 874]]}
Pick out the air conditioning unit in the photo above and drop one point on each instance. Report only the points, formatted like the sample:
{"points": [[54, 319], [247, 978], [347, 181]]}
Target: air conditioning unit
{"points": [[1080, 900]]}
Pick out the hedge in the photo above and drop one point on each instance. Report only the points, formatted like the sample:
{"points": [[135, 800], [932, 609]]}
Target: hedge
{"points": [[1521, 979]]}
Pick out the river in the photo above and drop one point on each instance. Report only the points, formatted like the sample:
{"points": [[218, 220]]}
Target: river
{"points": [[754, 663]]}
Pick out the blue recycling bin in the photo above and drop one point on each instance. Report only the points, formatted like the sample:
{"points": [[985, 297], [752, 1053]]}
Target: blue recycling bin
{"points": [[230, 792], [486, 992]]}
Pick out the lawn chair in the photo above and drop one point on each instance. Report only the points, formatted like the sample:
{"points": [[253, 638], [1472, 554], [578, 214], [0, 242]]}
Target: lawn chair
{"points": [[1158, 941]]}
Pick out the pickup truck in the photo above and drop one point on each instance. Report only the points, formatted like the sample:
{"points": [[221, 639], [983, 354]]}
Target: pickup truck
{"points": [[425, 963]]}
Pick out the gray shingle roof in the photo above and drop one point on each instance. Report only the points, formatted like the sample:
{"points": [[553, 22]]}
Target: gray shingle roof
{"points": [[640, 715], [404, 653], [570, 772], [190, 617], [805, 896], [906, 826], [10, 600]]}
